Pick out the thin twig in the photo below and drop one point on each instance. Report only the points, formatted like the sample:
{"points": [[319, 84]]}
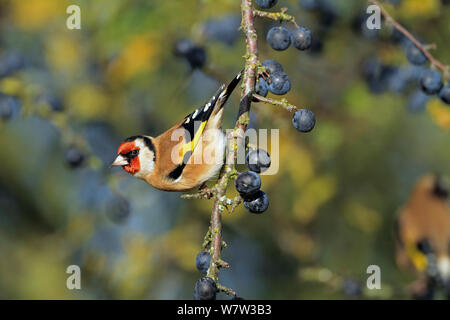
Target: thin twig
{"points": [[277, 16], [280, 103], [435, 62]]}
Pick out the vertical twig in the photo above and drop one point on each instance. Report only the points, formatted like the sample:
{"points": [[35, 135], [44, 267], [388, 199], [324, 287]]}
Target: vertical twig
{"points": [[234, 139]]}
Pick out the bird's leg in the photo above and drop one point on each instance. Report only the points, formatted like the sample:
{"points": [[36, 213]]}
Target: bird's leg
{"points": [[203, 193], [203, 189], [265, 76]]}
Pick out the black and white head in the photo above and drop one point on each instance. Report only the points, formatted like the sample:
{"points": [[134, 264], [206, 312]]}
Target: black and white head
{"points": [[136, 155]]}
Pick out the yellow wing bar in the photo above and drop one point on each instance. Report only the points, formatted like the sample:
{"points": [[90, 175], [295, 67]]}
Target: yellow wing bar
{"points": [[190, 146], [418, 258]]}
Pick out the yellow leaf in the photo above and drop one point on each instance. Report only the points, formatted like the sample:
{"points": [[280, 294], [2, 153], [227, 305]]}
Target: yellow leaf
{"points": [[11, 86], [139, 55], [440, 112], [366, 219], [419, 8], [88, 101], [64, 53], [35, 14], [317, 193]]}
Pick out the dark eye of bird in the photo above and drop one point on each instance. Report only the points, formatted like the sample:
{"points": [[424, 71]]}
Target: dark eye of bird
{"points": [[132, 154]]}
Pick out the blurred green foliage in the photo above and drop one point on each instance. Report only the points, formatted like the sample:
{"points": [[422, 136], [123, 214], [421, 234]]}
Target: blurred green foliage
{"points": [[332, 204]]}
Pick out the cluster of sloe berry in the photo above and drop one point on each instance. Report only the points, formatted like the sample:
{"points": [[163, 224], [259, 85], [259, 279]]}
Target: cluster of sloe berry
{"points": [[248, 183], [279, 83], [398, 79], [280, 38], [11, 63], [205, 288], [430, 80]]}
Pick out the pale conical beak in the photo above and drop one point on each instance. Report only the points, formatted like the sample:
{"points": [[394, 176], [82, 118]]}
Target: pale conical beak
{"points": [[120, 161]]}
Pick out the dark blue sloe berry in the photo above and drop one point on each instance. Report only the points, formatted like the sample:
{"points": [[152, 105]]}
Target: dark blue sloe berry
{"points": [[202, 261], [417, 101], [9, 106], [258, 160], [431, 81], [6, 107], [398, 80], [272, 66], [279, 38], [261, 87], [74, 157], [118, 210], [279, 83], [444, 94], [301, 38], [225, 29], [328, 14], [309, 5], [316, 46], [10, 62], [266, 4], [53, 101], [196, 57], [205, 289], [414, 55], [182, 47], [257, 202], [247, 183], [304, 120], [378, 75], [351, 288]]}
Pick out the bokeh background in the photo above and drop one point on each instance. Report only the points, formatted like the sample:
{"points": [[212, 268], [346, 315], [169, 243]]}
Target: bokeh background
{"points": [[68, 98]]}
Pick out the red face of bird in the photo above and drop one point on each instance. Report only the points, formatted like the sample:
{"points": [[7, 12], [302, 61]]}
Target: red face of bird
{"points": [[136, 155]]}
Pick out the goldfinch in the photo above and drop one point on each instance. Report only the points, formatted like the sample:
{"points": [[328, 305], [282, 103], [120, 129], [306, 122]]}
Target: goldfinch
{"points": [[423, 233], [185, 156]]}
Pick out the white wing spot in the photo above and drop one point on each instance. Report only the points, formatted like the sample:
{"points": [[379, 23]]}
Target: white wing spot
{"points": [[207, 106], [187, 120], [195, 114]]}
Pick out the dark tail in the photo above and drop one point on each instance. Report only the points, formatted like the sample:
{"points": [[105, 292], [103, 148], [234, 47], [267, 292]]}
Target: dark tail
{"points": [[224, 92], [217, 101]]}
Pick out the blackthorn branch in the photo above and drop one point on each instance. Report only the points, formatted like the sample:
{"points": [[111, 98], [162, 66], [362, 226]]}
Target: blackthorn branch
{"points": [[424, 48], [213, 242]]}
